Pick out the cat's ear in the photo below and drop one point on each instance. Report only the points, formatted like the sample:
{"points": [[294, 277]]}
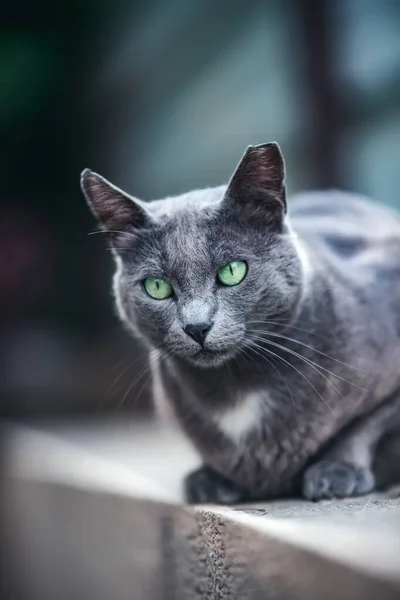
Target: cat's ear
{"points": [[259, 180], [115, 210]]}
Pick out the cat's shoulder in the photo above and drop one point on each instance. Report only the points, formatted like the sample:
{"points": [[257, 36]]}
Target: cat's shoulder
{"points": [[346, 225], [343, 214], [348, 207]]}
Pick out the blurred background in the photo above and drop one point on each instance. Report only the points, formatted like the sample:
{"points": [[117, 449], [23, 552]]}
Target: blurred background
{"points": [[162, 96]]}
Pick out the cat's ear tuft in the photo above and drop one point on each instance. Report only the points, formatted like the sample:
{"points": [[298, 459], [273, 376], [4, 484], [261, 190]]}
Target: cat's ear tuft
{"points": [[115, 210], [260, 178]]}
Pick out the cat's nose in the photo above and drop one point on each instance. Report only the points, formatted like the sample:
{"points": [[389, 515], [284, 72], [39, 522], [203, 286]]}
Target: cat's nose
{"points": [[198, 331]]}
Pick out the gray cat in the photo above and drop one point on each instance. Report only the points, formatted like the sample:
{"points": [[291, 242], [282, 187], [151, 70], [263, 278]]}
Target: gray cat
{"points": [[275, 343]]}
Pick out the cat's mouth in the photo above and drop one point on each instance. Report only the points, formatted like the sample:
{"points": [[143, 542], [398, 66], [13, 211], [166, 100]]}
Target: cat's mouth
{"points": [[209, 357]]}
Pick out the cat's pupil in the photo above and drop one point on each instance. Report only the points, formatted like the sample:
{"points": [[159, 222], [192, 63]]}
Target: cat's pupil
{"points": [[231, 269]]}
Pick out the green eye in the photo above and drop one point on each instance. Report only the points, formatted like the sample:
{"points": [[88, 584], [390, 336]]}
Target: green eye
{"points": [[158, 288], [232, 273]]}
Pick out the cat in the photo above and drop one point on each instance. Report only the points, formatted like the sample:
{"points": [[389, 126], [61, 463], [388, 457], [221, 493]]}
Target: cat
{"points": [[275, 342]]}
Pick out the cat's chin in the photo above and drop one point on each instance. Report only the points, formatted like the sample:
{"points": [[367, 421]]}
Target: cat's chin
{"points": [[210, 358]]}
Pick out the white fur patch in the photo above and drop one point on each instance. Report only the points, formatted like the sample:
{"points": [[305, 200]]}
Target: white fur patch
{"points": [[244, 417], [116, 278], [306, 266], [304, 258]]}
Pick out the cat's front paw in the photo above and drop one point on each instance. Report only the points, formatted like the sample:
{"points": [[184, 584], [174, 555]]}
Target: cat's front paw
{"points": [[336, 479], [205, 486]]}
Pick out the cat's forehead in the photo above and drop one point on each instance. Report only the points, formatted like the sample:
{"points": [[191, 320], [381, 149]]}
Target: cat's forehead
{"points": [[186, 229], [182, 206], [185, 239]]}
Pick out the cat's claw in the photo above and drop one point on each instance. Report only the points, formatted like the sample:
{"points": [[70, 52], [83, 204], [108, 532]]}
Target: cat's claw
{"points": [[205, 486], [336, 479]]}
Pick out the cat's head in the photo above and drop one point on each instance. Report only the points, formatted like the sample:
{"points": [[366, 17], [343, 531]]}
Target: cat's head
{"points": [[198, 274]]}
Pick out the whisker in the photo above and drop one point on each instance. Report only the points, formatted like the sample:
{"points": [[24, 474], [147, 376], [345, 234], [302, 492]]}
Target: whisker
{"points": [[146, 381], [297, 370], [276, 369], [313, 365], [143, 371], [107, 231], [290, 339], [287, 325], [253, 361], [123, 371], [284, 381], [135, 381]]}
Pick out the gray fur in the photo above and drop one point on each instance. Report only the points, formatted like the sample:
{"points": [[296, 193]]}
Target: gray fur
{"points": [[269, 415]]}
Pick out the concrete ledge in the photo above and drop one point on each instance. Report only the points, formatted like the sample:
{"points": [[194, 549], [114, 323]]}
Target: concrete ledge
{"points": [[76, 525]]}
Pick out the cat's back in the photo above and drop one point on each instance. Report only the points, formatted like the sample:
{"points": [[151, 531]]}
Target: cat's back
{"points": [[346, 226]]}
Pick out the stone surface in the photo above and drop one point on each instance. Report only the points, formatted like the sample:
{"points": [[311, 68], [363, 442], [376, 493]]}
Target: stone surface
{"points": [[93, 510]]}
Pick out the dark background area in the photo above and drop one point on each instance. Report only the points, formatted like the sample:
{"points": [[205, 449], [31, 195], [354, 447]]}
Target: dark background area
{"points": [[161, 97]]}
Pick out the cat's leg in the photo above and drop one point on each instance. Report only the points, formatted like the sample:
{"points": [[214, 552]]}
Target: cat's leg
{"points": [[347, 468], [206, 486], [337, 478]]}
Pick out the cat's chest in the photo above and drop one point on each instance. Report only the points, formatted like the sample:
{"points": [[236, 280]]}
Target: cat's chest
{"points": [[234, 408], [249, 412]]}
